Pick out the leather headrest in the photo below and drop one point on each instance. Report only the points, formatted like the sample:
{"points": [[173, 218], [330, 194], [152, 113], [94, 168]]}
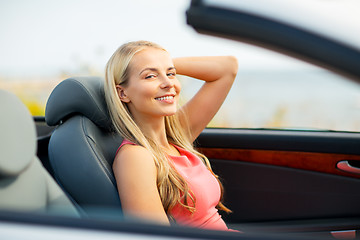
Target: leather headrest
{"points": [[17, 135], [78, 95]]}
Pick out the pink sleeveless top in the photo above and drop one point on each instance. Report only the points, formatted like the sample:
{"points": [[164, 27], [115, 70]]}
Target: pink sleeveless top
{"points": [[203, 186]]}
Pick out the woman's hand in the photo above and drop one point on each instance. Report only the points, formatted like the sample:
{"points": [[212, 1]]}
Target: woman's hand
{"points": [[219, 74]]}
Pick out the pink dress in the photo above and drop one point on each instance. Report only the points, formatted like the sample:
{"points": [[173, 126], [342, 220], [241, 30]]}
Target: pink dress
{"points": [[203, 186]]}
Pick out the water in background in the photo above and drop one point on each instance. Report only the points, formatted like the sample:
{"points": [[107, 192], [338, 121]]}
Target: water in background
{"points": [[311, 99]]}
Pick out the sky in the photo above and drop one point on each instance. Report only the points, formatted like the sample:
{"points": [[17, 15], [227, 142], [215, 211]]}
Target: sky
{"points": [[45, 37], [41, 37]]}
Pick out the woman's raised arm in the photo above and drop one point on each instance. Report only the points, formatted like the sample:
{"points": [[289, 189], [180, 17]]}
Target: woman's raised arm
{"points": [[219, 74]]}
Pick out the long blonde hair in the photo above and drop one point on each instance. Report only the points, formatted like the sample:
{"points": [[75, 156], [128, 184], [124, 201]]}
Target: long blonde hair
{"points": [[172, 188]]}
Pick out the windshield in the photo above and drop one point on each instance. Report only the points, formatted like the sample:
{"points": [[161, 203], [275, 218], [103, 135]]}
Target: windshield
{"points": [[334, 19]]}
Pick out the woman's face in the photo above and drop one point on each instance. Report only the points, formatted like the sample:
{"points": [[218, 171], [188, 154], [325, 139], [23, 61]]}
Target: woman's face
{"points": [[152, 89]]}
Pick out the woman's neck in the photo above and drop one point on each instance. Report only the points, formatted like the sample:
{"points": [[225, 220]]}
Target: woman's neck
{"points": [[155, 130]]}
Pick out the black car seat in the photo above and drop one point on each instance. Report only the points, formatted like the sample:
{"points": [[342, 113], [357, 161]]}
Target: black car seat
{"points": [[25, 185], [82, 146]]}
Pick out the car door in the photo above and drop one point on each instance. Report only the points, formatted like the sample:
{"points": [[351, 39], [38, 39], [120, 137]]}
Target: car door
{"points": [[277, 179], [289, 177]]}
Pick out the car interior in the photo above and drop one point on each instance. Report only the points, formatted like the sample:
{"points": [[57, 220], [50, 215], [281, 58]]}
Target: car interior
{"points": [[275, 181], [298, 182], [271, 188]]}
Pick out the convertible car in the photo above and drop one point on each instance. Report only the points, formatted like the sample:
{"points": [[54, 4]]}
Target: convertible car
{"points": [[290, 184]]}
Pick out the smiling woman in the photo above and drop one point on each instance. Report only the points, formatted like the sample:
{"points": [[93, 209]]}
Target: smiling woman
{"points": [[159, 174]]}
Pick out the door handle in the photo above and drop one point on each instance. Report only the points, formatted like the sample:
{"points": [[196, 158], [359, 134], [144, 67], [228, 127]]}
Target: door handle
{"points": [[345, 166]]}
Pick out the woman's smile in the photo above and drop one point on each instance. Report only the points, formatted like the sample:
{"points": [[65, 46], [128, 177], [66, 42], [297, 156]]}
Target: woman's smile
{"points": [[166, 99]]}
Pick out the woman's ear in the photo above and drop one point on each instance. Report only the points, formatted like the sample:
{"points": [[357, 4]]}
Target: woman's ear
{"points": [[122, 94]]}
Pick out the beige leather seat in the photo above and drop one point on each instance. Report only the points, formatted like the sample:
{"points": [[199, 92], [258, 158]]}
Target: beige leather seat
{"points": [[25, 185]]}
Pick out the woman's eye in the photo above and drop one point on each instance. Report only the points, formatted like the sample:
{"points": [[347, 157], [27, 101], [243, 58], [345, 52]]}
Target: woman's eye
{"points": [[150, 76], [171, 74]]}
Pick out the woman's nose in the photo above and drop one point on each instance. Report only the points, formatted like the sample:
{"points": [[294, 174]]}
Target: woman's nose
{"points": [[166, 82]]}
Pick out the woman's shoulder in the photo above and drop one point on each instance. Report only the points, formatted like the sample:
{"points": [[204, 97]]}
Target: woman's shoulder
{"points": [[130, 148], [134, 166], [125, 142], [133, 154]]}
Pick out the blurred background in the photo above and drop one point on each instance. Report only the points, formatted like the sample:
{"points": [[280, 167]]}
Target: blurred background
{"points": [[45, 41]]}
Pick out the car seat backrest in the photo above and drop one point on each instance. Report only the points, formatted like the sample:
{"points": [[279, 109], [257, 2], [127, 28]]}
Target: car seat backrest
{"points": [[80, 95], [25, 185], [83, 146]]}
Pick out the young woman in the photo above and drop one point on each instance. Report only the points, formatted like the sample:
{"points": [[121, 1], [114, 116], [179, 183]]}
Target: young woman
{"points": [[160, 176]]}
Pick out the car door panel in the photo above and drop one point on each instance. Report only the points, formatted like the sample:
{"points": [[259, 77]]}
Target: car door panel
{"points": [[271, 175], [318, 162], [260, 192]]}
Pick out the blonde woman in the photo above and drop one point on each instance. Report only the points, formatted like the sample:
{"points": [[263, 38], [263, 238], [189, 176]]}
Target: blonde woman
{"points": [[160, 176]]}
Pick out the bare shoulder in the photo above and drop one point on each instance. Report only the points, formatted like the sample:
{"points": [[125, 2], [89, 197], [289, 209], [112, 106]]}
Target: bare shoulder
{"points": [[133, 156], [129, 150]]}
